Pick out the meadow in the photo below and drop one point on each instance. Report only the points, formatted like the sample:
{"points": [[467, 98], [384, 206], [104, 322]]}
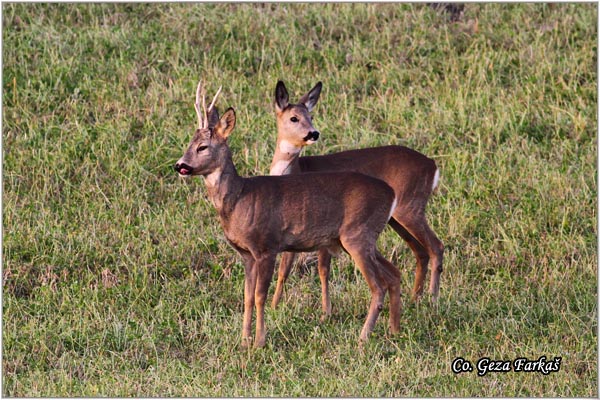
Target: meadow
{"points": [[118, 281]]}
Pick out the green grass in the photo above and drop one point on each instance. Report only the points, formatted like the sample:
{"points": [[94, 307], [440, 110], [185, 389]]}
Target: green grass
{"points": [[117, 280]]}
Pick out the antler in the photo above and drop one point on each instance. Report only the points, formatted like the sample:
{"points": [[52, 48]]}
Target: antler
{"points": [[202, 115], [199, 93], [212, 103]]}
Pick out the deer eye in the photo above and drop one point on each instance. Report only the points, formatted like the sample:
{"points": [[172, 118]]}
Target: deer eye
{"points": [[294, 119], [201, 148]]}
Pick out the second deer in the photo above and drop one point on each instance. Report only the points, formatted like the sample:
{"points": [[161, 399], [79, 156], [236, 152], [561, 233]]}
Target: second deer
{"points": [[265, 215], [412, 175]]}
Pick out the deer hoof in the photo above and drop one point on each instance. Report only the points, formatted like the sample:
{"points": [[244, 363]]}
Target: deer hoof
{"points": [[246, 342]]}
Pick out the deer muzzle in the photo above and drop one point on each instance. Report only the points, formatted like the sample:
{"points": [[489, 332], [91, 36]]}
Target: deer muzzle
{"points": [[311, 137], [183, 169]]}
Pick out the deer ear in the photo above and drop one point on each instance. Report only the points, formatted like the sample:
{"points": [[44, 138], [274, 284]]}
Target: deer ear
{"points": [[213, 117], [281, 97], [310, 99], [226, 124]]}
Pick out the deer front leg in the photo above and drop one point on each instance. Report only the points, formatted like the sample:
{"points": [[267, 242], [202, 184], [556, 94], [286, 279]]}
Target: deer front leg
{"points": [[285, 266], [324, 266], [264, 273], [249, 289]]}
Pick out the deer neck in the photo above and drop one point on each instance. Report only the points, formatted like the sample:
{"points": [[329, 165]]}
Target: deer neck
{"points": [[285, 160], [224, 186]]}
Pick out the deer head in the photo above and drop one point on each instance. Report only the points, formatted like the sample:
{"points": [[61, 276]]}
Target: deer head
{"points": [[207, 149], [294, 122]]}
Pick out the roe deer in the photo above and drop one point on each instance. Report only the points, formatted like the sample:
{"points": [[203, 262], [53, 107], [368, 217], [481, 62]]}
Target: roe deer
{"points": [[265, 215], [412, 175]]}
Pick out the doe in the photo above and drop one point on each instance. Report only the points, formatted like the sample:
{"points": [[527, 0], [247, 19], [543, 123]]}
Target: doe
{"points": [[412, 176]]}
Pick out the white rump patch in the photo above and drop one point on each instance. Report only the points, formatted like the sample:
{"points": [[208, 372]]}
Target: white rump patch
{"points": [[436, 180], [394, 204]]}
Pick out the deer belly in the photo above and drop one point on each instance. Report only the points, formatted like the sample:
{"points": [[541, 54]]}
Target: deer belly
{"points": [[333, 247], [307, 240]]}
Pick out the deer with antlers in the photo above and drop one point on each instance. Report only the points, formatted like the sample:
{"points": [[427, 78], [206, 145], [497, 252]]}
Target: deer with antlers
{"points": [[412, 175], [265, 215]]}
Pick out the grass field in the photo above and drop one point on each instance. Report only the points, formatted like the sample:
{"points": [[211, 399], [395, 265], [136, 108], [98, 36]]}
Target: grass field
{"points": [[117, 280]]}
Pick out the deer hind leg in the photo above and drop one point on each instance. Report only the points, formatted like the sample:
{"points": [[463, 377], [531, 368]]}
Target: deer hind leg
{"points": [[391, 276], [364, 255], [421, 255], [324, 267], [285, 266], [264, 273], [417, 226]]}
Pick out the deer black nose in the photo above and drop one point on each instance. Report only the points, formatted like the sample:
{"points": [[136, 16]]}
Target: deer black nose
{"points": [[314, 135]]}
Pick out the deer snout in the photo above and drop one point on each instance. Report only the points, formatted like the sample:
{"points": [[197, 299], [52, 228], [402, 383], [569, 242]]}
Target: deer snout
{"points": [[312, 137], [183, 169]]}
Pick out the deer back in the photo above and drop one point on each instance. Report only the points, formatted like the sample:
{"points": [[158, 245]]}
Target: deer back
{"points": [[307, 211]]}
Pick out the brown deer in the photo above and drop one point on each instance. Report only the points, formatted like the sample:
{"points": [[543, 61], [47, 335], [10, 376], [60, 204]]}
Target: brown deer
{"points": [[412, 175], [265, 215]]}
